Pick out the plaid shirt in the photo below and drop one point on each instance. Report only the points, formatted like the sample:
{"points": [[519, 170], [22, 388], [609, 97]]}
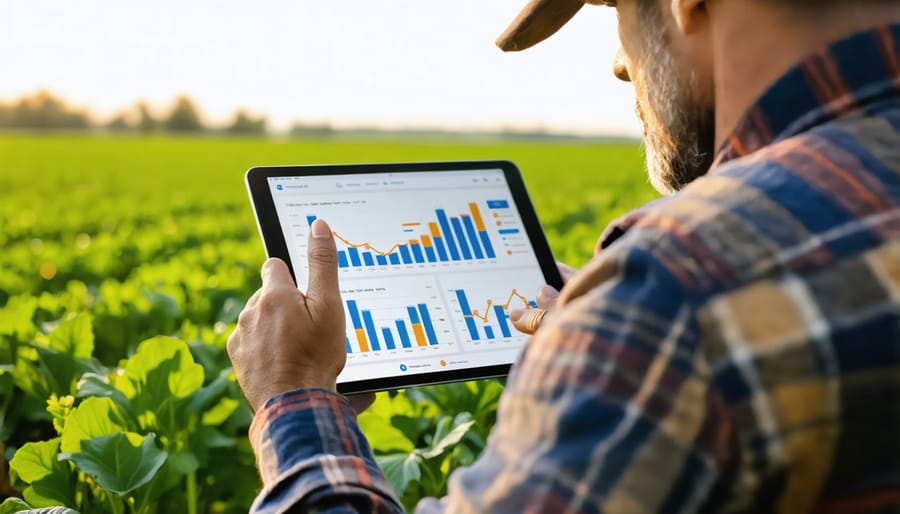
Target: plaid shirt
{"points": [[733, 348]]}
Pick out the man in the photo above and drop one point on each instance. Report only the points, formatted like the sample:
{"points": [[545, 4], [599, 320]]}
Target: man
{"points": [[734, 347]]}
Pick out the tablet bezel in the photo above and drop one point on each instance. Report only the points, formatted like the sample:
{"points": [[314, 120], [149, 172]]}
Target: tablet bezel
{"points": [[257, 181]]}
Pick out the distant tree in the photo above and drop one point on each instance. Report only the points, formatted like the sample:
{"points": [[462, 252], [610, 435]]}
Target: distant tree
{"points": [[306, 129], [244, 124], [43, 111], [119, 124], [184, 117], [146, 121]]}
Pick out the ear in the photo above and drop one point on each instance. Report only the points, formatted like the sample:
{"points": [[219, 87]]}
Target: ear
{"points": [[689, 15]]}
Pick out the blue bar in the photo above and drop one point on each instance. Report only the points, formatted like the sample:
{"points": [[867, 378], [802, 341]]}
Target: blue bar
{"points": [[501, 320], [388, 338], [413, 314], [310, 220], [349, 350], [489, 331], [370, 329], [467, 313], [498, 204], [395, 259], [473, 236], [354, 313], [429, 252], [506, 231], [342, 259], [439, 244], [354, 257], [404, 254], [448, 234], [486, 241], [461, 238], [409, 230], [367, 258], [404, 335], [429, 328], [381, 260], [417, 252]]}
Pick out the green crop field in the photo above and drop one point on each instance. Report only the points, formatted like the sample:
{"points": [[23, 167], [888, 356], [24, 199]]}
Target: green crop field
{"points": [[125, 263]]}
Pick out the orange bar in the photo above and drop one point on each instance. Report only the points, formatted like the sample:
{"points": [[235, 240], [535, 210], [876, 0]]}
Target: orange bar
{"points": [[363, 342], [426, 241], [476, 214], [435, 231], [413, 241], [420, 334], [413, 224]]}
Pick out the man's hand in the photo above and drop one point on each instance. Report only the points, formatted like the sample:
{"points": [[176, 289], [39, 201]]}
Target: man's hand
{"points": [[285, 339], [528, 320]]}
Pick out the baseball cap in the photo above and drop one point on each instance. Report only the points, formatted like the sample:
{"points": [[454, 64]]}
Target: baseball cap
{"points": [[539, 20]]}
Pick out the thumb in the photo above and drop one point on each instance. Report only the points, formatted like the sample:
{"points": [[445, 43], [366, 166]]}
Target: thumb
{"points": [[323, 261], [275, 273]]}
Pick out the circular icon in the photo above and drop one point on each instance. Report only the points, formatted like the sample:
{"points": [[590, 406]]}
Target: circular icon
{"points": [[403, 367], [443, 362], [279, 187]]}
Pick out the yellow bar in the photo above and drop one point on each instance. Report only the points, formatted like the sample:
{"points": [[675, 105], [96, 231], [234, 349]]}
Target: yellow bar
{"points": [[363, 342], [435, 231], [426, 241], [476, 214], [413, 241], [420, 334]]}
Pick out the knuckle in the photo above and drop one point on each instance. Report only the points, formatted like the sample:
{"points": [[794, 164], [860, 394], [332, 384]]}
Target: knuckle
{"points": [[323, 255]]}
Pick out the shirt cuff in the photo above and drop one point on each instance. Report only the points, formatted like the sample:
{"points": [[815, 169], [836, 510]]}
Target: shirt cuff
{"points": [[301, 424]]}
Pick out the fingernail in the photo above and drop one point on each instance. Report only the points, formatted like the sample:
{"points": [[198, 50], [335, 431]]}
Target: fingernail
{"points": [[516, 314], [320, 229]]}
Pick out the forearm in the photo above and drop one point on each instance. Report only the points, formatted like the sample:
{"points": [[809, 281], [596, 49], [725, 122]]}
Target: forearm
{"points": [[312, 456]]}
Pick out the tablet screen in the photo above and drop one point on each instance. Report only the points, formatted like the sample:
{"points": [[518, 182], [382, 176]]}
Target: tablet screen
{"points": [[430, 265]]}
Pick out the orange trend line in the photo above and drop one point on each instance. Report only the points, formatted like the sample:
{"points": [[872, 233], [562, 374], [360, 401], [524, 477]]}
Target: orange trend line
{"points": [[367, 246], [487, 311]]}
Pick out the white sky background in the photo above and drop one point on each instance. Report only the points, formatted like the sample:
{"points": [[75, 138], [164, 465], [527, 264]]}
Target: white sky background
{"points": [[388, 63]]}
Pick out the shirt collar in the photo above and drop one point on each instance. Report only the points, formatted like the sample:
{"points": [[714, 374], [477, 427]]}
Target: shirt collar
{"points": [[835, 81], [830, 83]]}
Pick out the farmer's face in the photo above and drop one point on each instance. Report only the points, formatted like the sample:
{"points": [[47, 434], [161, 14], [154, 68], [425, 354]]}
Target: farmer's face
{"points": [[673, 82]]}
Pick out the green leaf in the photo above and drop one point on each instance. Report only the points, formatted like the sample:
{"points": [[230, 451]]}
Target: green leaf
{"points": [[34, 461], [400, 469], [13, 505], [74, 337], [220, 411], [157, 379], [49, 481], [16, 316], [93, 384], [120, 462], [377, 423], [162, 367], [444, 440], [95, 417]]}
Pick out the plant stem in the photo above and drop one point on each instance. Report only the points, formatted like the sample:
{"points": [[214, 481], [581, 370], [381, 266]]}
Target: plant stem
{"points": [[192, 493]]}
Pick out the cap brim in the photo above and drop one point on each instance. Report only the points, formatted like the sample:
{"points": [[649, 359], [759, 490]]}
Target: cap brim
{"points": [[539, 20]]}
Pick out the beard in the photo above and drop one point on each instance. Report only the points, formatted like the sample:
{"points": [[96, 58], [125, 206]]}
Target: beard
{"points": [[677, 117]]}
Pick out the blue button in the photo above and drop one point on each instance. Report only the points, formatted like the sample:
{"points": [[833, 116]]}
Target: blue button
{"points": [[403, 367]]}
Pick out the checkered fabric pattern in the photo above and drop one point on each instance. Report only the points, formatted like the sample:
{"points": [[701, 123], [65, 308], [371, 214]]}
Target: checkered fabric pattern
{"points": [[731, 348]]}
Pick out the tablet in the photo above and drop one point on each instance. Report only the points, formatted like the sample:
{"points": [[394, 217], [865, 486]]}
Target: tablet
{"points": [[432, 257]]}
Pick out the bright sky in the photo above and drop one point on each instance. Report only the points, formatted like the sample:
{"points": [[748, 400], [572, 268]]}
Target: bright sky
{"points": [[392, 63]]}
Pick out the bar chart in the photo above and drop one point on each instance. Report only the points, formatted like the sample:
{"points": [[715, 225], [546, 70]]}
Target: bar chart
{"points": [[405, 313], [414, 329], [445, 238], [489, 320]]}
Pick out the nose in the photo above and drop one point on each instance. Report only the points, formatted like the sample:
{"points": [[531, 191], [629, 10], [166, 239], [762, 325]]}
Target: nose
{"points": [[620, 70]]}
